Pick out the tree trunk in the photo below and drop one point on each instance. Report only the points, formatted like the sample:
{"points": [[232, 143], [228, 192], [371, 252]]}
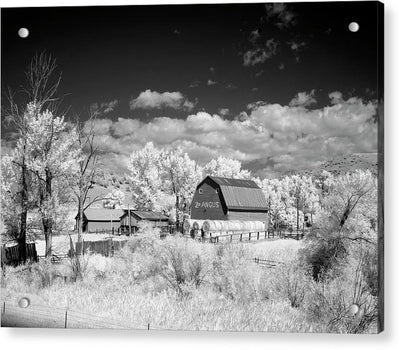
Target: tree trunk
{"points": [[297, 213], [24, 213], [47, 220], [177, 212]]}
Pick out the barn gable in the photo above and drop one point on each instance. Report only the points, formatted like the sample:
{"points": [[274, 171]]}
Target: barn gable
{"points": [[218, 198]]}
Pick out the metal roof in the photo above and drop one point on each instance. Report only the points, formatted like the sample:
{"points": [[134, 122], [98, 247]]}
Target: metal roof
{"points": [[149, 215], [244, 198], [100, 214], [240, 194], [223, 181]]}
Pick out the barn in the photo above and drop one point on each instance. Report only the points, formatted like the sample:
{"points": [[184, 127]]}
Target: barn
{"points": [[219, 198], [97, 219], [136, 216]]}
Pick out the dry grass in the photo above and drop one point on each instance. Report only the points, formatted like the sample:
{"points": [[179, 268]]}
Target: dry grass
{"points": [[183, 284]]}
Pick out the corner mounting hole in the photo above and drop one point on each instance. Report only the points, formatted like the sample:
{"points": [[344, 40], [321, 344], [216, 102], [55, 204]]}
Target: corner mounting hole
{"points": [[23, 32], [354, 27], [24, 302]]}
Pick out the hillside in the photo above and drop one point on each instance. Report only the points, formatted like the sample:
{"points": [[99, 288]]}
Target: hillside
{"points": [[347, 163]]}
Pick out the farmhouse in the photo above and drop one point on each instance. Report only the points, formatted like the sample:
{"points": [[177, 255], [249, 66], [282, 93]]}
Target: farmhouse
{"points": [[136, 216], [218, 198], [98, 219]]}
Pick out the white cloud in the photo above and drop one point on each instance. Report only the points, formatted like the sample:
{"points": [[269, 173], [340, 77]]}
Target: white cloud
{"points": [[224, 111], [194, 84], [260, 54], [211, 82], [303, 99], [336, 97], [280, 15], [155, 100], [270, 137], [103, 107], [254, 36]]}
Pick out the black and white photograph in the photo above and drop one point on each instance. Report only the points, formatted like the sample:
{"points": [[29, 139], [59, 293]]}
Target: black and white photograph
{"points": [[193, 167]]}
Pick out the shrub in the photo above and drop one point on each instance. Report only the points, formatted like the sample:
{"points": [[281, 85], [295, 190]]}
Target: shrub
{"points": [[291, 283], [323, 255], [330, 300], [235, 275]]}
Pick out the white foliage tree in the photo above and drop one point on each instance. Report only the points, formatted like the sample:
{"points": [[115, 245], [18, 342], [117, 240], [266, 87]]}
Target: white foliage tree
{"points": [[163, 179], [52, 156], [226, 167]]}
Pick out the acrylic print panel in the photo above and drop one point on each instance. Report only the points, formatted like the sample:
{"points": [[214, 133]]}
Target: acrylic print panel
{"points": [[193, 167]]}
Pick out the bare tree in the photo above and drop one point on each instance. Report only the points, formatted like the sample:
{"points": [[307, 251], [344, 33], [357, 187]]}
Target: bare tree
{"points": [[40, 89]]}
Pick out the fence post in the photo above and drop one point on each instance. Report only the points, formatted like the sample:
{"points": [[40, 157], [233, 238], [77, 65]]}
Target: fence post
{"points": [[258, 236], [241, 237], [249, 236], [231, 237], [66, 318]]}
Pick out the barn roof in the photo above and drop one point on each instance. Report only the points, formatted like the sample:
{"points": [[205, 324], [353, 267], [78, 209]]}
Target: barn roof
{"points": [[148, 215], [240, 194], [99, 214]]}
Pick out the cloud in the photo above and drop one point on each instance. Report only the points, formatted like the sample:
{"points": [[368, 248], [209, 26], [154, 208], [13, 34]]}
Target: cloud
{"points": [[211, 82], [336, 97], [297, 46], [254, 36], [280, 15], [194, 84], [223, 111], [103, 107], [268, 139], [303, 99], [230, 86], [260, 54], [154, 100]]}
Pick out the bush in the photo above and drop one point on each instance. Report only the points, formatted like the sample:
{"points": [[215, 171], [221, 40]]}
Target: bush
{"points": [[324, 255], [330, 301], [291, 283], [235, 275]]}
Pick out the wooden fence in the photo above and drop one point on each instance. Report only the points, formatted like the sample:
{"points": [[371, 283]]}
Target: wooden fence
{"points": [[253, 236], [11, 255], [268, 263], [25, 314], [105, 247]]}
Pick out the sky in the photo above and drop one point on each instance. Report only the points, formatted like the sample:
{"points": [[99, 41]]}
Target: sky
{"points": [[279, 87]]}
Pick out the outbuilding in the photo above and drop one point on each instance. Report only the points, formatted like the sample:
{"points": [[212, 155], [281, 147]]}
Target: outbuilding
{"points": [[101, 220], [219, 198], [136, 216]]}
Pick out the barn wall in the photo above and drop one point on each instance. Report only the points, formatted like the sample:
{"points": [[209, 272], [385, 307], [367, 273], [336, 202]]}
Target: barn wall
{"points": [[92, 226], [247, 216], [208, 205], [125, 221]]}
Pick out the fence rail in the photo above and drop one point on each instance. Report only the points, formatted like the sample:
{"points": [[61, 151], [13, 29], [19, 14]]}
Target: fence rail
{"points": [[43, 316], [268, 263], [253, 236]]}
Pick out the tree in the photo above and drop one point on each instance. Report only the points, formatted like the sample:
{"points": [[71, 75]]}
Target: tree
{"points": [[40, 89], [226, 167], [163, 179], [182, 175], [52, 155]]}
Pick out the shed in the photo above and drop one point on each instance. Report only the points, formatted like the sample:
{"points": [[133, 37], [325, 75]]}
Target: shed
{"points": [[99, 219], [156, 219], [219, 198]]}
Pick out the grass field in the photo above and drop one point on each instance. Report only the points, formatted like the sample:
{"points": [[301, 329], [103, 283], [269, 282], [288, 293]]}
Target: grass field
{"points": [[178, 283]]}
